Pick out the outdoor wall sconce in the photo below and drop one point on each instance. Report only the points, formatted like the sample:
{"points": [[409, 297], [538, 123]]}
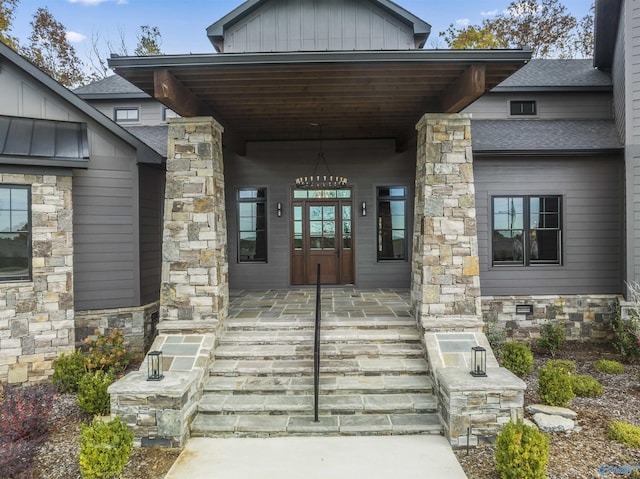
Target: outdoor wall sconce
{"points": [[478, 362], [154, 364], [279, 209], [364, 208]]}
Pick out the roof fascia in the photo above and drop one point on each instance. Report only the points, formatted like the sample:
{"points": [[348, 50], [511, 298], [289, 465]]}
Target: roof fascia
{"points": [[288, 58], [112, 96], [548, 152], [144, 151], [607, 18], [540, 89], [215, 31]]}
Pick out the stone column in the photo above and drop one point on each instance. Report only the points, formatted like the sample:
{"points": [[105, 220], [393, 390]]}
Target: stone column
{"points": [[445, 291], [195, 286]]}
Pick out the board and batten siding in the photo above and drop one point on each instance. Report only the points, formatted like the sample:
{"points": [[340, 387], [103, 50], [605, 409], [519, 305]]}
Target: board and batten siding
{"points": [[274, 166], [309, 25], [550, 106], [152, 182], [592, 191]]}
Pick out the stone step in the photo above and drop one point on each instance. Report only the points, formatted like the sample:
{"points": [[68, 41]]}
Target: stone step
{"points": [[262, 426], [297, 367], [279, 404], [256, 337], [328, 385], [327, 351], [292, 323]]}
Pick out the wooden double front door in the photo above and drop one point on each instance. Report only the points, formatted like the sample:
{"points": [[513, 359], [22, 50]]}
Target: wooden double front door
{"points": [[322, 233]]}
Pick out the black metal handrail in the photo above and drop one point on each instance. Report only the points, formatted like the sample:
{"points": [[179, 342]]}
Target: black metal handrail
{"points": [[316, 350]]}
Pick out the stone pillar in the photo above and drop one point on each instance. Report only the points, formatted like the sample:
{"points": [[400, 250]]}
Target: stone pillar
{"points": [[195, 288], [445, 292]]}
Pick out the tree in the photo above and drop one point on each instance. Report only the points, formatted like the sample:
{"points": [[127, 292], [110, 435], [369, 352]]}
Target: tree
{"points": [[149, 42], [543, 25], [7, 13], [50, 50]]}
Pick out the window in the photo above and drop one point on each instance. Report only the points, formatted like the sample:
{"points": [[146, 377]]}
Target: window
{"points": [[392, 224], [168, 113], [124, 115], [527, 230], [252, 225], [15, 233], [523, 107]]}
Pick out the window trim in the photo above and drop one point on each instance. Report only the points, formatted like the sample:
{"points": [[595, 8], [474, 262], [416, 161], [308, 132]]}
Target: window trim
{"points": [[239, 231], [126, 108], [404, 198], [29, 232], [526, 261], [164, 113], [526, 115]]}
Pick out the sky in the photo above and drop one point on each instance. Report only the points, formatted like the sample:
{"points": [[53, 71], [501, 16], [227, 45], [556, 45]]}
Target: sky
{"points": [[183, 23]]}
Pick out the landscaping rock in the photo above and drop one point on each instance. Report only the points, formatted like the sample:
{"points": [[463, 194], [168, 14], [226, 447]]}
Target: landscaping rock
{"points": [[550, 423], [551, 410]]}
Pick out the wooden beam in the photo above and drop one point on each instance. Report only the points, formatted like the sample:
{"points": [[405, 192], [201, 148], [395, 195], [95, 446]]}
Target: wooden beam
{"points": [[465, 90], [169, 91]]}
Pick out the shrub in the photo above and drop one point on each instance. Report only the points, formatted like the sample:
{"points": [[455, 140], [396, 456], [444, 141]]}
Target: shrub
{"points": [[554, 386], [627, 338], [517, 358], [552, 338], [107, 352], [16, 457], [586, 386], [521, 452], [625, 433], [25, 413], [567, 365], [609, 367], [92, 392], [496, 336], [105, 448], [67, 371]]}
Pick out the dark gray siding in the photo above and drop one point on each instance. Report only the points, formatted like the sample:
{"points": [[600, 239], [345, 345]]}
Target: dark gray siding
{"points": [[617, 74], [308, 25], [275, 165], [593, 225], [105, 213], [152, 182]]}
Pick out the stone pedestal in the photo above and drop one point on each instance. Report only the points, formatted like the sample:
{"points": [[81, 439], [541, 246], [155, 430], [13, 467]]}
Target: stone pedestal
{"points": [[194, 244], [445, 270]]}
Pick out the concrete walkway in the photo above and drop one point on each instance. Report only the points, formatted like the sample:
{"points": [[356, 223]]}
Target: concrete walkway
{"points": [[348, 457]]}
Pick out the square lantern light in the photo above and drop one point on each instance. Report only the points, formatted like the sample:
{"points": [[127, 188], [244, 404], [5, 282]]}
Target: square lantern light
{"points": [[478, 362], [154, 365]]}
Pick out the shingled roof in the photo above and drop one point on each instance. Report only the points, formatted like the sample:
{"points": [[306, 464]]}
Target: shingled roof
{"points": [[113, 86]]}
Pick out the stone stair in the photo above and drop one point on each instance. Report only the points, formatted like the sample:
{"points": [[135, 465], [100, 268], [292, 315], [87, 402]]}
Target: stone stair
{"points": [[373, 379]]}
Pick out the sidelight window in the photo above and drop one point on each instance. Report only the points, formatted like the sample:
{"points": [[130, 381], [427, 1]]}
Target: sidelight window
{"points": [[252, 225], [392, 223]]}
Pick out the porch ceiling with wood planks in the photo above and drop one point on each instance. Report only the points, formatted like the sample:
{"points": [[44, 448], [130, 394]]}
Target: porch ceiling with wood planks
{"points": [[264, 97]]}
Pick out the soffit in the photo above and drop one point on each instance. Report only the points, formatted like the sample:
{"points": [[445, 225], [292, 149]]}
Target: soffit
{"points": [[263, 97]]}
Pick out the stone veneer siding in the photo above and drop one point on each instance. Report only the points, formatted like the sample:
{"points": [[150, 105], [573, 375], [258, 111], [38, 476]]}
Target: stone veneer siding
{"points": [[583, 317], [139, 325], [195, 284], [445, 270], [37, 316]]}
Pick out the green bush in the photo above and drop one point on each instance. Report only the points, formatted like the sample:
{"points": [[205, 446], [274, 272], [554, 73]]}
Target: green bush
{"points": [[586, 386], [92, 392], [105, 448], [552, 338], [108, 352], [554, 386], [521, 452], [517, 358], [609, 366], [567, 365], [68, 369], [625, 433]]}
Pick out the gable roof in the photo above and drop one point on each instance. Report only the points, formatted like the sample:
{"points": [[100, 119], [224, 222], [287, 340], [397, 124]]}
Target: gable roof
{"points": [[109, 87], [557, 75], [216, 31], [145, 153]]}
